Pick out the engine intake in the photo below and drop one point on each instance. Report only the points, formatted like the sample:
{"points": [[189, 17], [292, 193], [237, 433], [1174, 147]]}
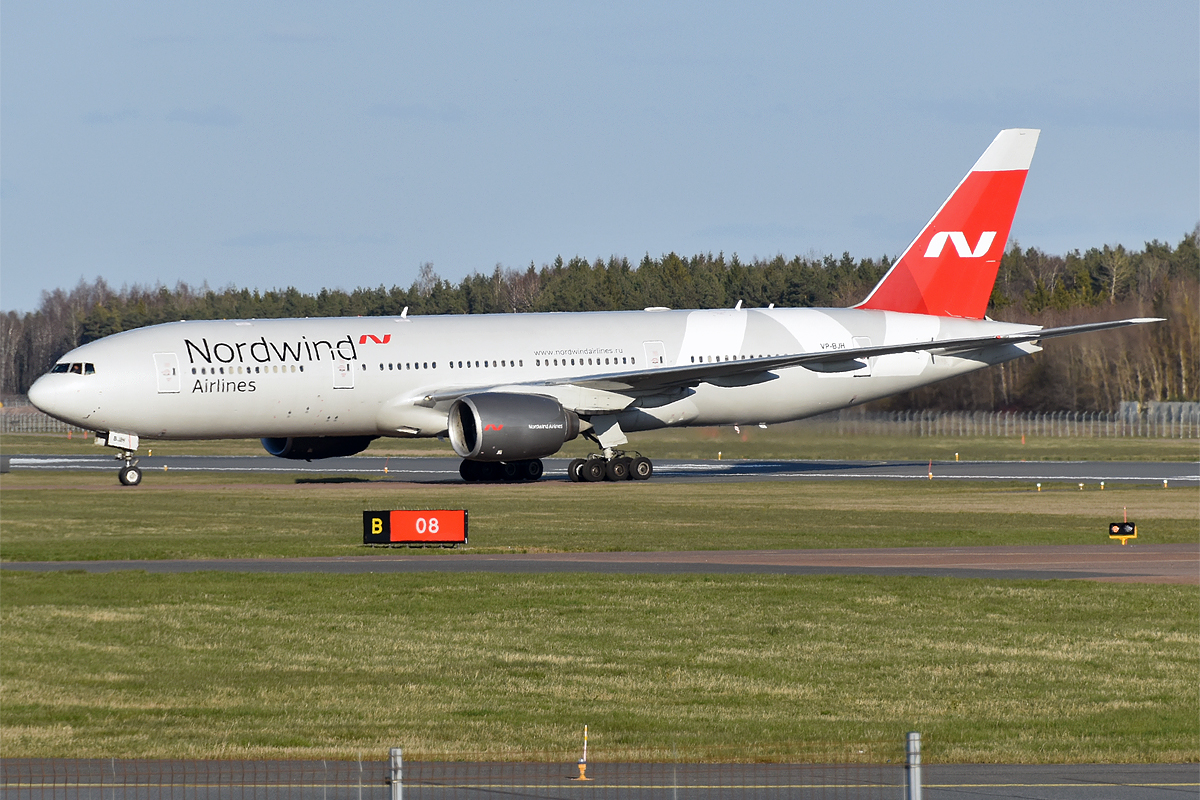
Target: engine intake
{"points": [[494, 426], [310, 447]]}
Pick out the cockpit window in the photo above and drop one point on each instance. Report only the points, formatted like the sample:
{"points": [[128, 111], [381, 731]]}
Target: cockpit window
{"points": [[75, 369]]}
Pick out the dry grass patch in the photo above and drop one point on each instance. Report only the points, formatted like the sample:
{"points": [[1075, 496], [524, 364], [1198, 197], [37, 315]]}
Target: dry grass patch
{"points": [[326, 666], [47, 517]]}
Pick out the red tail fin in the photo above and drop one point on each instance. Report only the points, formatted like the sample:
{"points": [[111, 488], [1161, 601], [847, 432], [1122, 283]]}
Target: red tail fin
{"points": [[950, 268]]}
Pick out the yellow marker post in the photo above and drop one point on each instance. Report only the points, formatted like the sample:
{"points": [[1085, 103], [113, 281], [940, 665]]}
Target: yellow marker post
{"points": [[583, 761]]}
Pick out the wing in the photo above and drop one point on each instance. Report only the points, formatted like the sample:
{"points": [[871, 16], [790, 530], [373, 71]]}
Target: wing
{"points": [[614, 390]]}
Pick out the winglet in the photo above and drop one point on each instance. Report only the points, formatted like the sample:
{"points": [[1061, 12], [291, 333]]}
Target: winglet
{"points": [[950, 268]]}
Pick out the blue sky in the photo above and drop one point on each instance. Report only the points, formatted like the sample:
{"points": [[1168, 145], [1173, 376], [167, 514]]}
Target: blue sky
{"points": [[340, 145]]}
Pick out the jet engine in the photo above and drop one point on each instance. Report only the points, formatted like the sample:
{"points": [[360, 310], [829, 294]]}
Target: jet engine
{"points": [[494, 426], [310, 447]]}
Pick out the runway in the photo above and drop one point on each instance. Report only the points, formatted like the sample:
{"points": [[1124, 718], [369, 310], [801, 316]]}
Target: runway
{"points": [[1158, 563], [445, 470]]}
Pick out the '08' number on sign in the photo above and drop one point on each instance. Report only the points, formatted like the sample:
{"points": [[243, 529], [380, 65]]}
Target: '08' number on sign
{"points": [[426, 525]]}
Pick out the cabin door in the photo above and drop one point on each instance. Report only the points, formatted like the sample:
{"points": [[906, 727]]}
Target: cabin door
{"points": [[166, 370], [656, 354], [343, 375]]}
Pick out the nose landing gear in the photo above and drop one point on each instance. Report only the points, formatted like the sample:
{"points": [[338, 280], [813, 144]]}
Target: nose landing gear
{"points": [[126, 444]]}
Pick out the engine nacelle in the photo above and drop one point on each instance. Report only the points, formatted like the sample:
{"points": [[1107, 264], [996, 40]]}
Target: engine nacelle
{"points": [[493, 426], [310, 447]]}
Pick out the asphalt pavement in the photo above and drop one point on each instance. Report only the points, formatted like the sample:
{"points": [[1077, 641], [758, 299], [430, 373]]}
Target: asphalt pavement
{"points": [[445, 470]]}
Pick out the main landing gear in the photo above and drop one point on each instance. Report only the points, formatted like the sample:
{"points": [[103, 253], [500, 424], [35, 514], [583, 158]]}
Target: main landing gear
{"points": [[617, 467], [495, 471]]}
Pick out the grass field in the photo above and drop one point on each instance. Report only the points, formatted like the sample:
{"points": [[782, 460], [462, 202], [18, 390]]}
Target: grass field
{"points": [[485, 665], [87, 516], [792, 440], [213, 665]]}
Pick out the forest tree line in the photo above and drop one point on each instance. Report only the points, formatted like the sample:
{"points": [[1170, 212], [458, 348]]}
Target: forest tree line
{"points": [[1092, 372]]}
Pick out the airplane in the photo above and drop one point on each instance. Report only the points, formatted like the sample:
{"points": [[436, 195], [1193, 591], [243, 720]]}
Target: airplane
{"points": [[510, 389]]}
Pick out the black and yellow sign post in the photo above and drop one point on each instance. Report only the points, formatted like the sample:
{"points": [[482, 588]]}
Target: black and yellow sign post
{"points": [[1122, 530], [409, 527]]}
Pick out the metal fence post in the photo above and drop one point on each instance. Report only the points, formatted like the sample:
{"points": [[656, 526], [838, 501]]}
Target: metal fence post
{"points": [[912, 766], [396, 762]]}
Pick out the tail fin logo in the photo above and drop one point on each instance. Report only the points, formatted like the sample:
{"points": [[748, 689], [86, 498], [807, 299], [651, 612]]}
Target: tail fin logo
{"points": [[959, 240]]}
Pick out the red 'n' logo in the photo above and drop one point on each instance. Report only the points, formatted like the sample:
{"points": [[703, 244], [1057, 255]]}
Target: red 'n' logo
{"points": [[493, 427], [387, 337]]}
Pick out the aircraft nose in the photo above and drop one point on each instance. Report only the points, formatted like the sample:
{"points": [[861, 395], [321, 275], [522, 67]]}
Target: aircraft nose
{"points": [[52, 395], [41, 395]]}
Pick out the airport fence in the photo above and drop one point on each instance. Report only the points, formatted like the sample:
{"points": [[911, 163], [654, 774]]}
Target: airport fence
{"points": [[1144, 420], [862, 772]]}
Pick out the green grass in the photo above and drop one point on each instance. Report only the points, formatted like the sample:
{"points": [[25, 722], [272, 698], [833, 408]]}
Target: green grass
{"points": [[213, 665], [789, 441], [483, 665], [88, 516]]}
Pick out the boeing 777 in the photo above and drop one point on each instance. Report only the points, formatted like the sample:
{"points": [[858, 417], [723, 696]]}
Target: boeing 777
{"points": [[511, 389]]}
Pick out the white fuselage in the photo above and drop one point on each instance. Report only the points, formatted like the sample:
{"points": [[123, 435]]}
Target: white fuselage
{"points": [[356, 376]]}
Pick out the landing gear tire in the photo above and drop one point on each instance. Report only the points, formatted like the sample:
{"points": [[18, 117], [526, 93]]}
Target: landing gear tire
{"points": [[574, 468], [593, 470], [469, 470], [617, 469], [640, 469], [510, 471], [129, 476], [532, 469]]}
